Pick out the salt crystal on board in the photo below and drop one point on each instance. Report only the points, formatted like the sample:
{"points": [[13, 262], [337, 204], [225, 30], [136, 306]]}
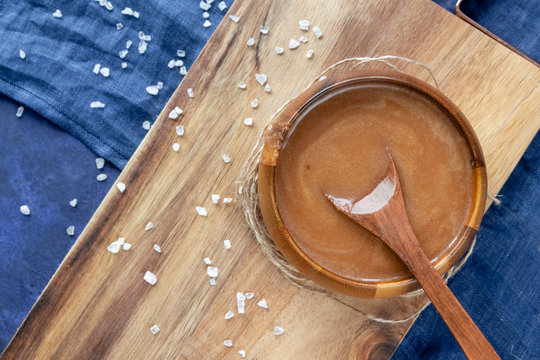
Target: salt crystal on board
{"points": [[25, 210], [121, 241], [22, 54], [250, 42], [248, 121], [212, 271], [226, 158], [242, 353], [240, 302], [262, 303], [180, 130], [234, 18], [293, 44], [242, 85], [101, 177], [201, 210], [229, 315], [212, 281], [176, 147], [228, 343], [317, 31], [20, 111], [157, 248], [57, 14], [309, 54], [126, 246], [148, 226], [279, 50], [227, 244], [304, 25], [97, 105], [303, 39], [73, 203], [278, 330], [227, 200], [267, 88], [254, 103], [207, 261], [264, 30], [114, 247], [190, 92], [215, 198], [121, 187], [261, 78], [100, 163], [154, 329], [250, 295], [150, 278]]}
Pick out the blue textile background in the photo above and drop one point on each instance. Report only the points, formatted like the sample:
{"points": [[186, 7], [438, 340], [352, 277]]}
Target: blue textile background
{"points": [[45, 167]]}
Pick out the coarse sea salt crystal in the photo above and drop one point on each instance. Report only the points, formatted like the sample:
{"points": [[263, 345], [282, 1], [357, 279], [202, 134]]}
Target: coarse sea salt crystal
{"points": [[254, 103], [180, 130], [176, 147], [264, 30], [242, 85], [227, 200], [148, 226], [181, 53], [178, 63], [279, 50], [227, 244], [121, 187], [250, 42], [183, 70], [248, 121], [205, 15], [73, 203], [242, 353], [124, 65], [96, 68], [207, 23], [152, 90], [150, 278], [278, 330], [317, 31], [304, 25], [250, 295], [157, 248], [22, 54], [105, 71], [20, 111], [154, 329], [262, 303], [201, 210], [240, 302], [234, 18], [229, 315], [215, 198], [207, 261], [123, 53], [240, 189], [119, 26], [128, 44], [303, 39], [109, 6], [212, 271], [226, 158], [309, 54], [228, 343], [97, 105], [170, 65], [101, 177], [212, 281], [222, 6], [261, 78], [127, 11], [204, 5], [121, 241], [70, 230], [293, 44], [57, 14], [146, 125], [160, 85], [267, 88], [25, 210], [126, 246], [190, 92], [175, 112], [114, 247], [143, 45], [100, 163]]}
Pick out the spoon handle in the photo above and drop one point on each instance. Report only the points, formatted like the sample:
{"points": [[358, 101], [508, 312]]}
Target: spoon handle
{"points": [[469, 337]]}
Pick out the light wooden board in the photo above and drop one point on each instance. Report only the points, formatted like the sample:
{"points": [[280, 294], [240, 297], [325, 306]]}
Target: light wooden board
{"points": [[98, 306]]}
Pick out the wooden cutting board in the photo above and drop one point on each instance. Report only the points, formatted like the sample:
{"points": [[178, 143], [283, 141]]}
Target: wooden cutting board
{"points": [[98, 305]]}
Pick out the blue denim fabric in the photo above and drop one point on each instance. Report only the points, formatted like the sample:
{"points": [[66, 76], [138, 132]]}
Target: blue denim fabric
{"points": [[56, 78]]}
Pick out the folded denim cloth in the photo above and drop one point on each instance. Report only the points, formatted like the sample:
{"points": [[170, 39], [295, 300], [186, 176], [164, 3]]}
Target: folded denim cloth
{"points": [[56, 77]]}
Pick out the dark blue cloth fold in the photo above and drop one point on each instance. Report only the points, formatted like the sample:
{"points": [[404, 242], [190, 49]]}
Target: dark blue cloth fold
{"points": [[56, 79]]}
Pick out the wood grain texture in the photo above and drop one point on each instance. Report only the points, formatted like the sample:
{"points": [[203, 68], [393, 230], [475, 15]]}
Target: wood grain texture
{"points": [[98, 306]]}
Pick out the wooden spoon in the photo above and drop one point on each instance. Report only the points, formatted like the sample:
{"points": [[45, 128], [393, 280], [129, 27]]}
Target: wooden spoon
{"points": [[383, 213]]}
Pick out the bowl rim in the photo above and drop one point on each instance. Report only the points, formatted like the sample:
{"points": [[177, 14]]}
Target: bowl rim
{"points": [[276, 133]]}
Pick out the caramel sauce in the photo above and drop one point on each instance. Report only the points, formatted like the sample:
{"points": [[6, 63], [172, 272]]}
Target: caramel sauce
{"points": [[338, 146]]}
